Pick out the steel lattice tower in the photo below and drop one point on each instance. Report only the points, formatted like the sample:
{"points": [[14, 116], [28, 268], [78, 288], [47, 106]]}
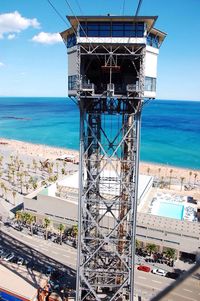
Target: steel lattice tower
{"points": [[108, 86]]}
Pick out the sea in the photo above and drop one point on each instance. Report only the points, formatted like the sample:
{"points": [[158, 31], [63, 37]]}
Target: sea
{"points": [[170, 131]]}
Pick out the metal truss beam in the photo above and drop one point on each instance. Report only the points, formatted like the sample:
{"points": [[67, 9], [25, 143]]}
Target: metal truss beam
{"points": [[108, 180]]}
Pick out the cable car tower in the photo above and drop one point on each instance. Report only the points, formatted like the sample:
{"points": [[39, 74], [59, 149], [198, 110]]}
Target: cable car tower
{"points": [[112, 63]]}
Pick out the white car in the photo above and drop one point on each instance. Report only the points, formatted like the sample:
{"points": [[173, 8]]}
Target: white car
{"points": [[159, 272], [9, 256]]}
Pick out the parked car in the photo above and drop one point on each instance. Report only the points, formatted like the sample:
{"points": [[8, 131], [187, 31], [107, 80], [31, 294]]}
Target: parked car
{"points": [[9, 257], [144, 268], [172, 275], [18, 228], [159, 272], [14, 259], [49, 271], [20, 261]]}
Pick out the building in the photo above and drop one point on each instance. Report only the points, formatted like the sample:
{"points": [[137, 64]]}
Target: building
{"points": [[104, 32], [59, 201]]}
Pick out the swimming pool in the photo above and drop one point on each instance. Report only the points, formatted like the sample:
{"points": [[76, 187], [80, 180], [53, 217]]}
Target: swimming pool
{"points": [[170, 210]]}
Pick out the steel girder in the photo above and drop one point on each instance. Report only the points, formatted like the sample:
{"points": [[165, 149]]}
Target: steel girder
{"points": [[109, 159]]}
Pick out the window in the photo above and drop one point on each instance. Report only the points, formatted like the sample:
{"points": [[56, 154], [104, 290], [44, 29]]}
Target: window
{"points": [[71, 40], [153, 40], [112, 29], [150, 84], [72, 82]]}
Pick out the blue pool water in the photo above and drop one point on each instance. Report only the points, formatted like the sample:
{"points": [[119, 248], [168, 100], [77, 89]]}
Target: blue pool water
{"points": [[170, 210]]}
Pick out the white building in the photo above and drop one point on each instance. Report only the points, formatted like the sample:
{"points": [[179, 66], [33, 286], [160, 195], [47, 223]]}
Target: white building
{"points": [[59, 201]]}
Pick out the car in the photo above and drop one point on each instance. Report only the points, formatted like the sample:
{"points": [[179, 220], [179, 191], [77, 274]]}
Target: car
{"points": [[144, 268], [159, 272], [14, 259], [49, 271], [20, 261], [18, 228], [172, 275], [9, 257]]}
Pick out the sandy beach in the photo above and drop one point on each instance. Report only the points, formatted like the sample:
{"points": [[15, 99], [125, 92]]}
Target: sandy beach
{"points": [[49, 152]]}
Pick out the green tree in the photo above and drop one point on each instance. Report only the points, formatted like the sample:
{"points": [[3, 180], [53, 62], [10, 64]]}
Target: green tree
{"points": [[151, 248], [14, 196], [170, 177], [137, 244], [170, 253], [47, 223], [190, 174], [75, 231], [19, 216], [61, 229], [195, 178], [30, 221], [182, 180]]}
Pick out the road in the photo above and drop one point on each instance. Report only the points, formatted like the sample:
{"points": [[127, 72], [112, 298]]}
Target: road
{"points": [[46, 252]]}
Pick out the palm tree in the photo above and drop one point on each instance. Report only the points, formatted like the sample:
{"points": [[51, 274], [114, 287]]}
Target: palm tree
{"points": [[195, 178], [47, 222], [61, 229], [13, 175], [34, 165], [170, 253], [170, 177], [5, 192], [1, 160], [14, 196], [190, 173], [27, 187], [21, 174], [19, 216], [182, 180], [30, 221], [137, 244], [35, 185], [151, 248], [2, 189], [162, 182], [75, 231], [57, 167]]}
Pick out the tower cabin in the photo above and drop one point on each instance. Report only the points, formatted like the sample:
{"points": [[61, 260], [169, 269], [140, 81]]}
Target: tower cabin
{"points": [[104, 56]]}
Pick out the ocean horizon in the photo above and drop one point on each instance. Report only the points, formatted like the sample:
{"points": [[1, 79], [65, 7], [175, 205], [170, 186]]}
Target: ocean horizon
{"points": [[169, 134]]}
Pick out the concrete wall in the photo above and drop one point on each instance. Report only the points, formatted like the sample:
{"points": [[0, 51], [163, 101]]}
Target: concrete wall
{"points": [[151, 61], [57, 209]]}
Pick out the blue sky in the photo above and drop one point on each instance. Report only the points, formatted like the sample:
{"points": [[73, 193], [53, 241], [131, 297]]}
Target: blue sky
{"points": [[33, 60]]}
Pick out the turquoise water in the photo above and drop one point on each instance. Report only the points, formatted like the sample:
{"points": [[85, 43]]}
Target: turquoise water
{"points": [[170, 129], [170, 210]]}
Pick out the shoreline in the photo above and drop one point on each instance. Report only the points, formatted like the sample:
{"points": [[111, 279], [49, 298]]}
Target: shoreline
{"points": [[53, 152]]}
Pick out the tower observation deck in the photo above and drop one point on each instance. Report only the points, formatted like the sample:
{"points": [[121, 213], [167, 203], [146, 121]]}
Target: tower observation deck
{"points": [[112, 67]]}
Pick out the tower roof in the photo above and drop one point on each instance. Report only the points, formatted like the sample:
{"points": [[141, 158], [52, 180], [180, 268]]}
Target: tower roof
{"points": [[149, 20]]}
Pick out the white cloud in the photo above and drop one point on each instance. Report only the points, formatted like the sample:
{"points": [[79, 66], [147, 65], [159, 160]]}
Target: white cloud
{"points": [[1, 64], [14, 22], [47, 38], [11, 36]]}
